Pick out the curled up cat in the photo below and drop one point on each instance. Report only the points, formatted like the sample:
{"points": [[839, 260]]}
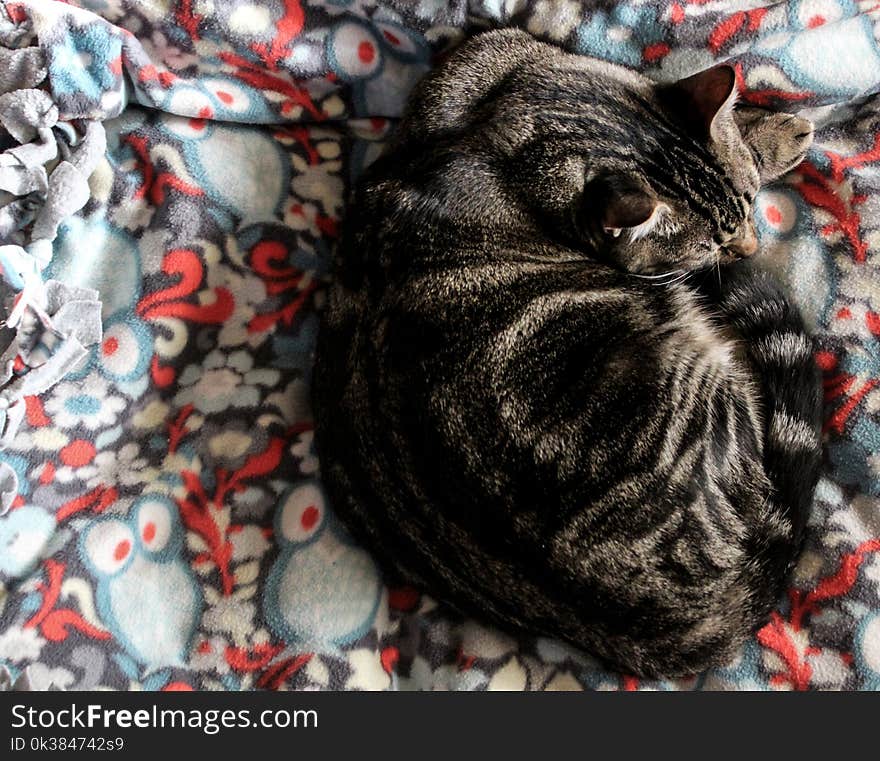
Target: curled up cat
{"points": [[547, 389]]}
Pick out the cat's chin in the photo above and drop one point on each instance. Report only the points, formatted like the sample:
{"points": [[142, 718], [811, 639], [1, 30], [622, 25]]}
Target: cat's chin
{"points": [[728, 258]]}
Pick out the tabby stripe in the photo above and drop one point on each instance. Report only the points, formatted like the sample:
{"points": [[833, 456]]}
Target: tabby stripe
{"points": [[792, 433]]}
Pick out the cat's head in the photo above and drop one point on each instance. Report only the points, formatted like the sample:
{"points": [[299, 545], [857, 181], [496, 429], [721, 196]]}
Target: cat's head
{"points": [[650, 178], [688, 203]]}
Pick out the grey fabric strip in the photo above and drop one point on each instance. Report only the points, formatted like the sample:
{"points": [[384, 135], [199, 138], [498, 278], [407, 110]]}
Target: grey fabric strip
{"points": [[24, 112], [21, 69], [43, 180], [68, 192], [16, 215], [22, 169]]}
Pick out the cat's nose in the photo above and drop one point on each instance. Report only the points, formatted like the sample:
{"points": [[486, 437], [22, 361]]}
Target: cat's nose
{"points": [[746, 244]]}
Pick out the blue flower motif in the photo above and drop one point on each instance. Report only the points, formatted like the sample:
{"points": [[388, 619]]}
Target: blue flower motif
{"points": [[83, 61], [620, 35]]}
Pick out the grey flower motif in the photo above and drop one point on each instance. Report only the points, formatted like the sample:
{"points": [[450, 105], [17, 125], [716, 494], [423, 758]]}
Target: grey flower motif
{"points": [[223, 381], [555, 19]]}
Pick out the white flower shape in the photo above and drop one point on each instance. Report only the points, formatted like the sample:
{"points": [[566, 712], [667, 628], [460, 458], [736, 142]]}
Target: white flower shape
{"points": [[217, 389], [68, 474], [224, 381], [122, 466], [88, 403]]}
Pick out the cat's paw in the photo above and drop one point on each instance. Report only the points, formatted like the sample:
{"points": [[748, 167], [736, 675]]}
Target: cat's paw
{"points": [[778, 141], [787, 138]]}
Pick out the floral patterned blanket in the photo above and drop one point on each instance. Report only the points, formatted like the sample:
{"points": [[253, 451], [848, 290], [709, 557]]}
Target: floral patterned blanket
{"points": [[172, 180]]}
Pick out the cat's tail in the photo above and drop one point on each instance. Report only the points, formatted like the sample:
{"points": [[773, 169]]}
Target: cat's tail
{"points": [[782, 355]]}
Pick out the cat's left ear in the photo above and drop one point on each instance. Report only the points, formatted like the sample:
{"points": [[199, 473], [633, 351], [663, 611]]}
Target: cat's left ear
{"points": [[703, 99]]}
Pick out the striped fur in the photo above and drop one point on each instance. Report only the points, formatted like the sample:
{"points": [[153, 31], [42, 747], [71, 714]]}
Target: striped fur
{"points": [[604, 437]]}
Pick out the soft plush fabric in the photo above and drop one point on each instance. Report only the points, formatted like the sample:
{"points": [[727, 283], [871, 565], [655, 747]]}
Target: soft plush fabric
{"points": [[167, 528]]}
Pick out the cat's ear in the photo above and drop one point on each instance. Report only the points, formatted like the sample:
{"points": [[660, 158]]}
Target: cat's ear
{"points": [[702, 99], [619, 203]]}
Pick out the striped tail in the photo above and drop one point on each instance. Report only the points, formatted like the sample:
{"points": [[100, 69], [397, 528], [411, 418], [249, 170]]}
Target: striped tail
{"points": [[781, 352]]}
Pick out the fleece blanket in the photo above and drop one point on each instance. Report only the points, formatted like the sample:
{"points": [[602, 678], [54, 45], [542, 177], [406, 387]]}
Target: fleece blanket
{"points": [[172, 181]]}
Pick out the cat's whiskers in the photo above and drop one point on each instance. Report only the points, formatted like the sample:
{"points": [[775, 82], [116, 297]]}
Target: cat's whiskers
{"points": [[674, 276], [681, 278], [655, 277]]}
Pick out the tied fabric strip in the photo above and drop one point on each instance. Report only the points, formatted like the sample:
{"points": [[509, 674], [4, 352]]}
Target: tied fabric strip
{"points": [[44, 171]]}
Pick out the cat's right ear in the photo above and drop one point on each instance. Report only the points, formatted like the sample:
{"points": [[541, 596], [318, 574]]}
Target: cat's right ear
{"points": [[617, 204], [702, 99]]}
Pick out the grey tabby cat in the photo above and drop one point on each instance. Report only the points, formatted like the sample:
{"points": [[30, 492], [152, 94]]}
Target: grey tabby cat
{"points": [[538, 395]]}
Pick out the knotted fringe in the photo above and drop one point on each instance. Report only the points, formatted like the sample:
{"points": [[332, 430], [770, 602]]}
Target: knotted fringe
{"points": [[44, 169]]}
